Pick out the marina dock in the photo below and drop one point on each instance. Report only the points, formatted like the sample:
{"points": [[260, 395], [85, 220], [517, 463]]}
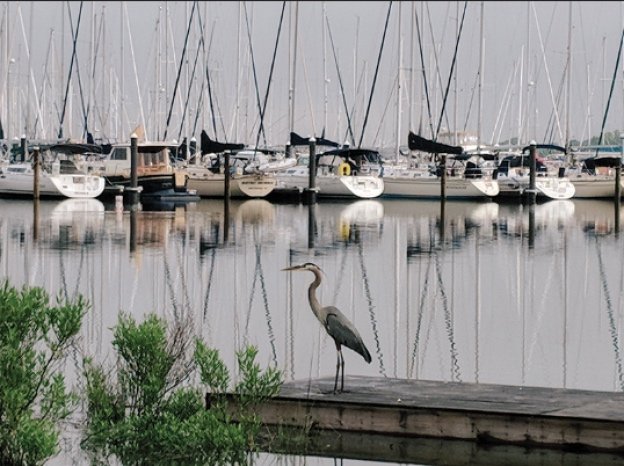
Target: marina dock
{"points": [[572, 420]]}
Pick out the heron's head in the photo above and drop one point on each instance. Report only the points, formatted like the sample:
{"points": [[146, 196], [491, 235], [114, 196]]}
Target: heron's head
{"points": [[302, 267]]}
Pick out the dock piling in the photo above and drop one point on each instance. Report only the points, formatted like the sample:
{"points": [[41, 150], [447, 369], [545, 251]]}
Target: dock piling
{"points": [[310, 192]]}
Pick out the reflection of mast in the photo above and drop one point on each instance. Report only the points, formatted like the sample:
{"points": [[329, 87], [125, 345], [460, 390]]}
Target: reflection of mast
{"points": [[421, 313], [477, 306], [565, 309], [258, 273], [371, 309], [612, 326], [447, 320], [397, 301], [209, 287]]}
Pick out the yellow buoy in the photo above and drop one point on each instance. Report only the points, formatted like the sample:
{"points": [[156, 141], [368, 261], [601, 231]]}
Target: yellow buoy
{"points": [[344, 169]]}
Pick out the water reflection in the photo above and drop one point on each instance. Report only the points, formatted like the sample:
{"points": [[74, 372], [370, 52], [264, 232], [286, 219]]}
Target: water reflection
{"points": [[474, 292]]}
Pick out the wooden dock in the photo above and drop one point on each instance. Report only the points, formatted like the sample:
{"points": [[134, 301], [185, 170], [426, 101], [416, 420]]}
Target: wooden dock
{"points": [[571, 420]]}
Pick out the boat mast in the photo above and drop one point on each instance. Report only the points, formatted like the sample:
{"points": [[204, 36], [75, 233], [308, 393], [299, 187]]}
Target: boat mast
{"points": [[122, 131], [370, 98], [238, 73], [400, 64], [325, 81], [293, 81], [410, 115], [457, 28], [136, 75], [158, 85], [530, 85], [568, 71], [481, 47]]}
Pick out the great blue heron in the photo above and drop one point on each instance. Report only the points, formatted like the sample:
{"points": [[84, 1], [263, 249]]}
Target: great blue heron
{"points": [[336, 324]]}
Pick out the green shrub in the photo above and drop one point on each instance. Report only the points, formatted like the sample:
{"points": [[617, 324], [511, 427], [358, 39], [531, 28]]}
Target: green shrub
{"points": [[150, 413], [34, 338]]}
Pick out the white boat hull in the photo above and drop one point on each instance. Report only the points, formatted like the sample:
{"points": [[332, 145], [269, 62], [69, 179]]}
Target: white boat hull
{"points": [[58, 185], [547, 187], [595, 186], [430, 187], [209, 184], [347, 186]]}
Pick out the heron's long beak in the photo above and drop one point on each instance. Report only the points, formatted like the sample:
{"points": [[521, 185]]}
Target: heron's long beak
{"points": [[294, 267]]}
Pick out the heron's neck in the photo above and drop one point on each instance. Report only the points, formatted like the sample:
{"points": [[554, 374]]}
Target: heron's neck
{"points": [[314, 302]]}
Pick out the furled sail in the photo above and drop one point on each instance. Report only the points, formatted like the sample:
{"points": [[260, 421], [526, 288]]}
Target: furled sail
{"points": [[416, 142], [296, 140], [208, 146]]}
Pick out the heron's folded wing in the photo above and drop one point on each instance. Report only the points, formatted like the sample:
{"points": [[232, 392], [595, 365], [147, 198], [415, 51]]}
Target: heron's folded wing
{"points": [[345, 333]]}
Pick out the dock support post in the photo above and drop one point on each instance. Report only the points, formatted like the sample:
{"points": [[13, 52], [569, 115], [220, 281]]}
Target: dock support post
{"points": [[618, 170], [193, 151], [37, 170], [23, 148], [443, 176], [133, 190], [310, 192], [226, 196], [226, 172], [531, 193]]}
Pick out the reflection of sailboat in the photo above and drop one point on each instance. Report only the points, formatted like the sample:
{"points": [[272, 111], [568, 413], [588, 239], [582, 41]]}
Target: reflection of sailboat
{"points": [[460, 220], [598, 217], [362, 212], [75, 222], [71, 206], [554, 214], [255, 211]]}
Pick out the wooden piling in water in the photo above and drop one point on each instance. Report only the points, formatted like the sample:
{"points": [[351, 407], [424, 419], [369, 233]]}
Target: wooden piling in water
{"points": [[310, 192], [134, 190], [23, 148], [443, 177], [37, 174], [530, 195]]}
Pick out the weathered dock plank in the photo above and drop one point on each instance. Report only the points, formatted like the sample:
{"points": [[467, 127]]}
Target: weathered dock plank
{"points": [[528, 416]]}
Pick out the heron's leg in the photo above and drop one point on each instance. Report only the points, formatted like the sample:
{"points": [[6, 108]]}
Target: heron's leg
{"points": [[338, 354], [342, 367]]}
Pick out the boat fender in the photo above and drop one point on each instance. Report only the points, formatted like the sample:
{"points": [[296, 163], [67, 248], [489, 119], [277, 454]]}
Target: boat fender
{"points": [[344, 169]]}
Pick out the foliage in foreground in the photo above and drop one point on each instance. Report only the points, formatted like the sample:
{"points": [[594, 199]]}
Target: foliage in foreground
{"points": [[148, 412], [34, 338]]}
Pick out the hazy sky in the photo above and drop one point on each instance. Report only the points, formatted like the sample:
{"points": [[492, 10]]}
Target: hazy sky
{"points": [[128, 63]]}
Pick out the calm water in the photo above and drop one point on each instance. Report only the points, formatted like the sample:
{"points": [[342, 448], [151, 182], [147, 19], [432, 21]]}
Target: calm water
{"points": [[478, 292]]}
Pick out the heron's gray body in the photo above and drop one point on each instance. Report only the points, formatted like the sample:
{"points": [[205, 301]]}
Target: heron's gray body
{"points": [[342, 331]]}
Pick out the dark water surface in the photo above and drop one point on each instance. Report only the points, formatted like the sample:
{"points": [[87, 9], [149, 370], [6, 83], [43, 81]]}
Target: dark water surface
{"points": [[474, 292]]}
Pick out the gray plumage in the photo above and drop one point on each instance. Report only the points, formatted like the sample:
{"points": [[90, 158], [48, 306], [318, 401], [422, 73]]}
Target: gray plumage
{"points": [[342, 331]]}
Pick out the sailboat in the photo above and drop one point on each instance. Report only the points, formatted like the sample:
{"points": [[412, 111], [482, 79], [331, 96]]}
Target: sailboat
{"points": [[17, 179], [514, 176], [420, 180], [594, 176], [341, 173], [207, 175]]}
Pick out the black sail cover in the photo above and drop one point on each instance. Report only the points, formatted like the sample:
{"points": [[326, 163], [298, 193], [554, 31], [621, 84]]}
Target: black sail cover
{"points": [[208, 146], [296, 140], [419, 143]]}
